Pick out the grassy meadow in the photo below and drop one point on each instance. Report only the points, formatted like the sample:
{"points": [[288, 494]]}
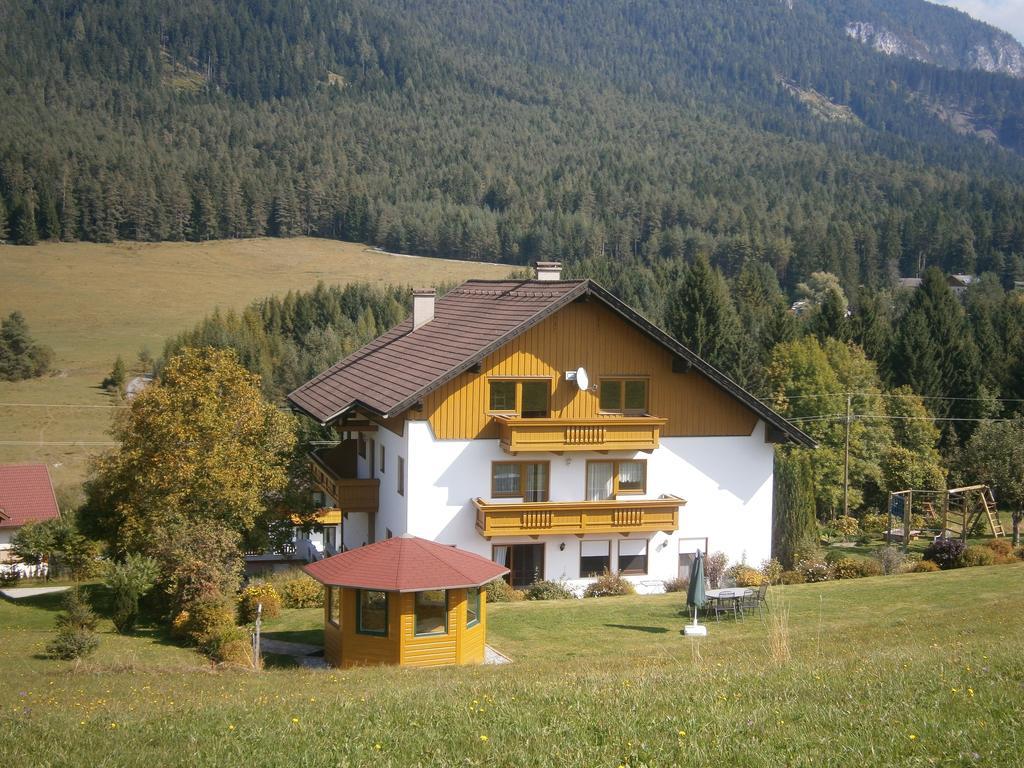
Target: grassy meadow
{"points": [[911, 670], [91, 302]]}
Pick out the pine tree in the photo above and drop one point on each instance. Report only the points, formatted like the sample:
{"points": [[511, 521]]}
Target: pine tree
{"points": [[701, 315], [24, 223], [3, 220]]}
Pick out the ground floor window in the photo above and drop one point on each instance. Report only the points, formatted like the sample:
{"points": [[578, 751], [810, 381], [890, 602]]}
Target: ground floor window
{"points": [[595, 558], [633, 556], [688, 549], [334, 605], [431, 608], [472, 606], [524, 561], [372, 613]]}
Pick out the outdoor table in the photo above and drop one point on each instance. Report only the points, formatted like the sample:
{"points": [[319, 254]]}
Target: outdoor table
{"points": [[736, 594]]}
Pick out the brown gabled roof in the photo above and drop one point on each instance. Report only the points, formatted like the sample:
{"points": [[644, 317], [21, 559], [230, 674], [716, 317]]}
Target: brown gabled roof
{"points": [[26, 495], [405, 564], [396, 370]]}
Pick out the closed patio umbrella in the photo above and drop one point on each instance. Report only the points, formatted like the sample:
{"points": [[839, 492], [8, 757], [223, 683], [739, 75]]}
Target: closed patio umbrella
{"points": [[695, 595]]}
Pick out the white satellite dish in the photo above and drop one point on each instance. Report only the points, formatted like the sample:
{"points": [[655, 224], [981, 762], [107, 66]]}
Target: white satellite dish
{"points": [[582, 379]]}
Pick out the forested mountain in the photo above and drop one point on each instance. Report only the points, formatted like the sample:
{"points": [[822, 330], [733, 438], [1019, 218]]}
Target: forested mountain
{"points": [[590, 131]]}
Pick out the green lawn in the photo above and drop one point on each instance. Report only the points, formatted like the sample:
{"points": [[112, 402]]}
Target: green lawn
{"points": [[92, 302], [921, 669]]}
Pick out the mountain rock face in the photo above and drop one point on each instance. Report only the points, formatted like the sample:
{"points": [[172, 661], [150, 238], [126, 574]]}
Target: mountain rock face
{"points": [[1000, 54]]}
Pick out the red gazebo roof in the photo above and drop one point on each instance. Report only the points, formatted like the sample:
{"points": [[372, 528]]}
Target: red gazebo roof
{"points": [[405, 564], [26, 495]]}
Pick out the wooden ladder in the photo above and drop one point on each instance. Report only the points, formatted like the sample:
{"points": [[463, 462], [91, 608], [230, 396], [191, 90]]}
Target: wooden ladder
{"points": [[989, 502]]}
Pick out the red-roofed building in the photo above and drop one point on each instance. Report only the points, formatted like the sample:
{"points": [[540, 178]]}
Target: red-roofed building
{"points": [[26, 496], [405, 601]]}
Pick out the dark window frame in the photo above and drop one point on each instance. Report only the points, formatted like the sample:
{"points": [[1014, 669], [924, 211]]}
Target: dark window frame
{"points": [[415, 617], [359, 614], [589, 574], [333, 601], [400, 482], [646, 556], [473, 622]]}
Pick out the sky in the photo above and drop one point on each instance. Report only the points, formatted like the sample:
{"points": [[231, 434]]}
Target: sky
{"points": [[1005, 14]]}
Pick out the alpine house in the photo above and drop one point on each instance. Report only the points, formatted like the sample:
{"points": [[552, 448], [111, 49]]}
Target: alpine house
{"points": [[546, 425]]}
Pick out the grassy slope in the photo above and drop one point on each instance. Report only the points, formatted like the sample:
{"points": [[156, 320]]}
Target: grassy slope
{"points": [[93, 302], [595, 683]]}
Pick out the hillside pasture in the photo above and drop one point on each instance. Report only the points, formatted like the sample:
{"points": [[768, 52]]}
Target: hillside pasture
{"points": [[92, 302], [912, 670]]}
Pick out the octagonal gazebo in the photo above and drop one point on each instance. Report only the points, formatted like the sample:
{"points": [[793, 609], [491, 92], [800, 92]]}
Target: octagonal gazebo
{"points": [[405, 601]]}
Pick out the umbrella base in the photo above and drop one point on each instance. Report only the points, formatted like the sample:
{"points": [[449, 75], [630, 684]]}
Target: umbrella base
{"points": [[696, 630]]}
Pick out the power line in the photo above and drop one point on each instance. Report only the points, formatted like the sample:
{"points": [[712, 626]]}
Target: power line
{"points": [[894, 395]]}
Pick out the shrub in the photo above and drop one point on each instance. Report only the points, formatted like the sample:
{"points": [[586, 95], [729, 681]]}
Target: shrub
{"points": [[976, 555], [252, 596], [831, 556], [609, 584], [500, 591], [9, 576], [714, 568], [847, 527], [847, 568], [870, 567], [678, 584], [1002, 550], [771, 570], [1019, 552], [946, 553], [179, 625], [549, 590], [228, 644], [129, 581], [207, 616], [873, 522], [297, 590], [924, 566], [744, 575], [792, 577], [76, 629], [891, 560], [814, 571], [73, 644]]}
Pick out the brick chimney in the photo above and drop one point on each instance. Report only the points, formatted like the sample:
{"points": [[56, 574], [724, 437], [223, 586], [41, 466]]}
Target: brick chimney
{"points": [[422, 306], [549, 270]]}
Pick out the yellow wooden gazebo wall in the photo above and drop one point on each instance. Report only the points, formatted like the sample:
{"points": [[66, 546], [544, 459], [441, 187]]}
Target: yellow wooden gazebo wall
{"points": [[344, 647]]}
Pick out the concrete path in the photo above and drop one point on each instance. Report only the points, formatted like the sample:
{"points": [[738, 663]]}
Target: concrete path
{"points": [[267, 645], [14, 593], [491, 656]]}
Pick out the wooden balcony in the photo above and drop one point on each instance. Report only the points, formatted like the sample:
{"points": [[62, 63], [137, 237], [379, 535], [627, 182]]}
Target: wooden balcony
{"points": [[608, 433], [577, 517], [349, 493]]}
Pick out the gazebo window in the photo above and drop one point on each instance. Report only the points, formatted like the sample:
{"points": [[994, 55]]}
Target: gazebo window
{"points": [[432, 612], [372, 618], [472, 607], [334, 605]]}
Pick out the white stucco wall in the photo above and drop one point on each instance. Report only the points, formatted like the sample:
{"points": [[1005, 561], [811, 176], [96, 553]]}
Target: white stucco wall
{"points": [[726, 482], [393, 508]]}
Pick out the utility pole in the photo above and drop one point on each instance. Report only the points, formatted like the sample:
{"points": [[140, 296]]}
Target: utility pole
{"points": [[846, 463]]}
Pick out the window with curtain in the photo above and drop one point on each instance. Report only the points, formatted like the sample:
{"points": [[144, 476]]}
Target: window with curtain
{"points": [[372, 610], [431, 609], [631, 476], [633, 555], [595, 558], [472, 606], [600, 480], [515, 479]]}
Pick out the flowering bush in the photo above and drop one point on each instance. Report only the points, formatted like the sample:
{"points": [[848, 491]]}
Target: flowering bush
{"points": [[744, 575], [610, 584], [873, 522], [814, 571], [714, 568], [771, 570], [792, 577], [946, 553], [252, 596], [847, 527]]}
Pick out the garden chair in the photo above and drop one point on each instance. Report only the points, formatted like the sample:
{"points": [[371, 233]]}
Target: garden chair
{"points": [[727, 601], [756, 600]]}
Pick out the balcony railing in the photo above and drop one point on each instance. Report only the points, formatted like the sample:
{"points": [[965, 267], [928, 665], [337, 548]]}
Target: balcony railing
{"points": [[608, 433], [349, 494], [577, 517]]}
